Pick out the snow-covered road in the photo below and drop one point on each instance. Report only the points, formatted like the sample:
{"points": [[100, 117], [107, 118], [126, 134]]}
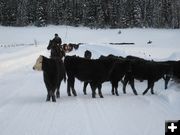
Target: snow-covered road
{"points": [[24, 111]]}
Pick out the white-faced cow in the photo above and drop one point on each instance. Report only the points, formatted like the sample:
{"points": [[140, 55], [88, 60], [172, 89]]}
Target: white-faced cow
{"points": [[53, 74]]}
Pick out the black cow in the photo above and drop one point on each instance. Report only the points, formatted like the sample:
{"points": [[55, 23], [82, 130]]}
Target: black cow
{"points": [[53, 74], [146, 70], [130, 57], [175, 72], [87, 55], [175, 66], [167, 77], [120, 69], [94, 71], [111, 56]]}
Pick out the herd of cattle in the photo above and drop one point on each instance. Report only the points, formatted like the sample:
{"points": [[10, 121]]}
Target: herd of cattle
{"points": [[97, 71]]}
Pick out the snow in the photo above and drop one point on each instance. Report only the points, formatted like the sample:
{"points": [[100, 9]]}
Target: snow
{"points": [[24, 111]]}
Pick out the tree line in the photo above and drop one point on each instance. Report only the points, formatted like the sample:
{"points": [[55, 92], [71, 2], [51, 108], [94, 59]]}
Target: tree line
{"points": [[91, 13]]}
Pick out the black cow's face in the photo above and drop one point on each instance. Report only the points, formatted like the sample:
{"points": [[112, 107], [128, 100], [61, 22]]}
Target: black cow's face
{"points": [[38, 64]]}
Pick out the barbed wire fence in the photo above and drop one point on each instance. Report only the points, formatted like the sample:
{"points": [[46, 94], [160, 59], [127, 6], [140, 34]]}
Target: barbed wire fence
{"points": [[35, 43]]}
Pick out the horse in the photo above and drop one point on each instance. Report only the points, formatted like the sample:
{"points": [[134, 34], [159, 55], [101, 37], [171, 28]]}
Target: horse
{"points": [[56, 50]]}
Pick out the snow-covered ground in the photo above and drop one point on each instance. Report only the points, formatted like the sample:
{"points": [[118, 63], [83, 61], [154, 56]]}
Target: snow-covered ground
{"points": [[23, 110]]}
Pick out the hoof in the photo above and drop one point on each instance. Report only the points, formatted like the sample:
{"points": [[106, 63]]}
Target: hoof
{"points": [[124, 92], [93, 96], [54, 100], [74, 93], [47, 99], [135, 93]]}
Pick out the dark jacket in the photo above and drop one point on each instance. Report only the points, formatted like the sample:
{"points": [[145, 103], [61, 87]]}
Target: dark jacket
{"points": [[57, 40]]}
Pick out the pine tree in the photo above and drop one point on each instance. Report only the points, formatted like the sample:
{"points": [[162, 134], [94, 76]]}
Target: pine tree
{"points": [[22, 18], [9, 10], [41, 14], [94, 14], [137, 22], [31, 11]]}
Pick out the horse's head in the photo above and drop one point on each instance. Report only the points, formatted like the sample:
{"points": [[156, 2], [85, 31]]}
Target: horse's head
{"points": [[51, 44]]}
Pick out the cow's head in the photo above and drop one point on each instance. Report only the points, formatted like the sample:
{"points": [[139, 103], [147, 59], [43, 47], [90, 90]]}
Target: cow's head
{"points": [[38, 65]]}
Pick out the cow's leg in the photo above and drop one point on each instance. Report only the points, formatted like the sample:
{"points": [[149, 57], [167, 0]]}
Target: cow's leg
{"points": [[116, 89], [125, 84], [122, 82], [73, 90], [48, 97], [99, 91], [148, 87], [132, 86], [166, 79], [68, 87], [152, 86], [112, 91], [84, 88], [57, 92], [115, 84], [51, 94], [53, 97], [93, 88]]}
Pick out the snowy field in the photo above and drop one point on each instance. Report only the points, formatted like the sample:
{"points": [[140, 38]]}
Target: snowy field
{"points": [[24, 111]]}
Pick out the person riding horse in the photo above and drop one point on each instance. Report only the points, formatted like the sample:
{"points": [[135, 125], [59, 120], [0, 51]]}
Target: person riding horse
{"points": [[57, 40], [56, 50]]}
